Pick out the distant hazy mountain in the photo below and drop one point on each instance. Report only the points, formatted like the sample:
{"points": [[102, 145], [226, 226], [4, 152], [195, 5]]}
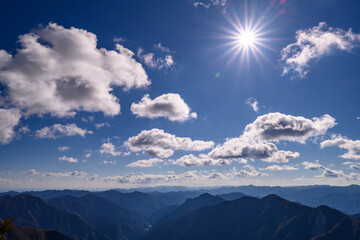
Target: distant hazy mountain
{"points": [[259, 219], [35, 212], [189, 205], [99, 211], [345, 199], [174, 198], [31, 233], [49, 194], [231, 196], [136, 201]]}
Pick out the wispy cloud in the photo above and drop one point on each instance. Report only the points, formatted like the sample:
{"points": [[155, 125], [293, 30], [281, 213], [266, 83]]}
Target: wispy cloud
{"points": [[314, 43], [253, 103], [63, 148], [210, 3], [155, 62]]}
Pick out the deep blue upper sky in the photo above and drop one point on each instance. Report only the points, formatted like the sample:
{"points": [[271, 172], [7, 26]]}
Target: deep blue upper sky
{"points": [[51, 100]]}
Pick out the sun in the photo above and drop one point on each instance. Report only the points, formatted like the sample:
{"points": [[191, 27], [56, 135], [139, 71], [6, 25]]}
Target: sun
{"points": [[247, 39]]}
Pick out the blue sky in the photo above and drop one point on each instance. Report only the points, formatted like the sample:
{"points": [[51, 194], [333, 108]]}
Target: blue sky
{"points": [[132, 93]]}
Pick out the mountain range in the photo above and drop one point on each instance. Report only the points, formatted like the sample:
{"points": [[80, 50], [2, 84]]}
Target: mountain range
{"points": [[293, 213]]}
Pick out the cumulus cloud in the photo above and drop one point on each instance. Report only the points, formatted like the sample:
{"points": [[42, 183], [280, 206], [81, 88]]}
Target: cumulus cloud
{"points": [[211, 3], [202, 160], [145, 163], [63, 148], [59, 71], [58, 131], [280, 127], [170, 106], [9, 119], [253, 103], [326, 172], [68, 159], [280, 168], [109, 149], [158, 138], [314, 43], [155, 62], [352, 146], [159, 152], [257, 141], [243, 148]]}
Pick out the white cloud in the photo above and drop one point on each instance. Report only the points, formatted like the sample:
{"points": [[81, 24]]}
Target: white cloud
{"points": [[326, 172], [109, 162], [158, 138], [186, 177], [251, 172], [157, 63], [68, 159], [9, 119], [280, 127], [256, 141], [142, 178], [58, 130], [280, 168], [88, 155], [242, 148], [59, 71], [314, 43], [63, 148], [202, 160], [109, 149], [253, 103], [170, 106], [159, 152], [152, 162], [353, 147], [64, 174], [211, 3]]}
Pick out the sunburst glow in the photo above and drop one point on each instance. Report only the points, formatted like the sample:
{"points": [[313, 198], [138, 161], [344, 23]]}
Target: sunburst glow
{"points": [[247, 39]]}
